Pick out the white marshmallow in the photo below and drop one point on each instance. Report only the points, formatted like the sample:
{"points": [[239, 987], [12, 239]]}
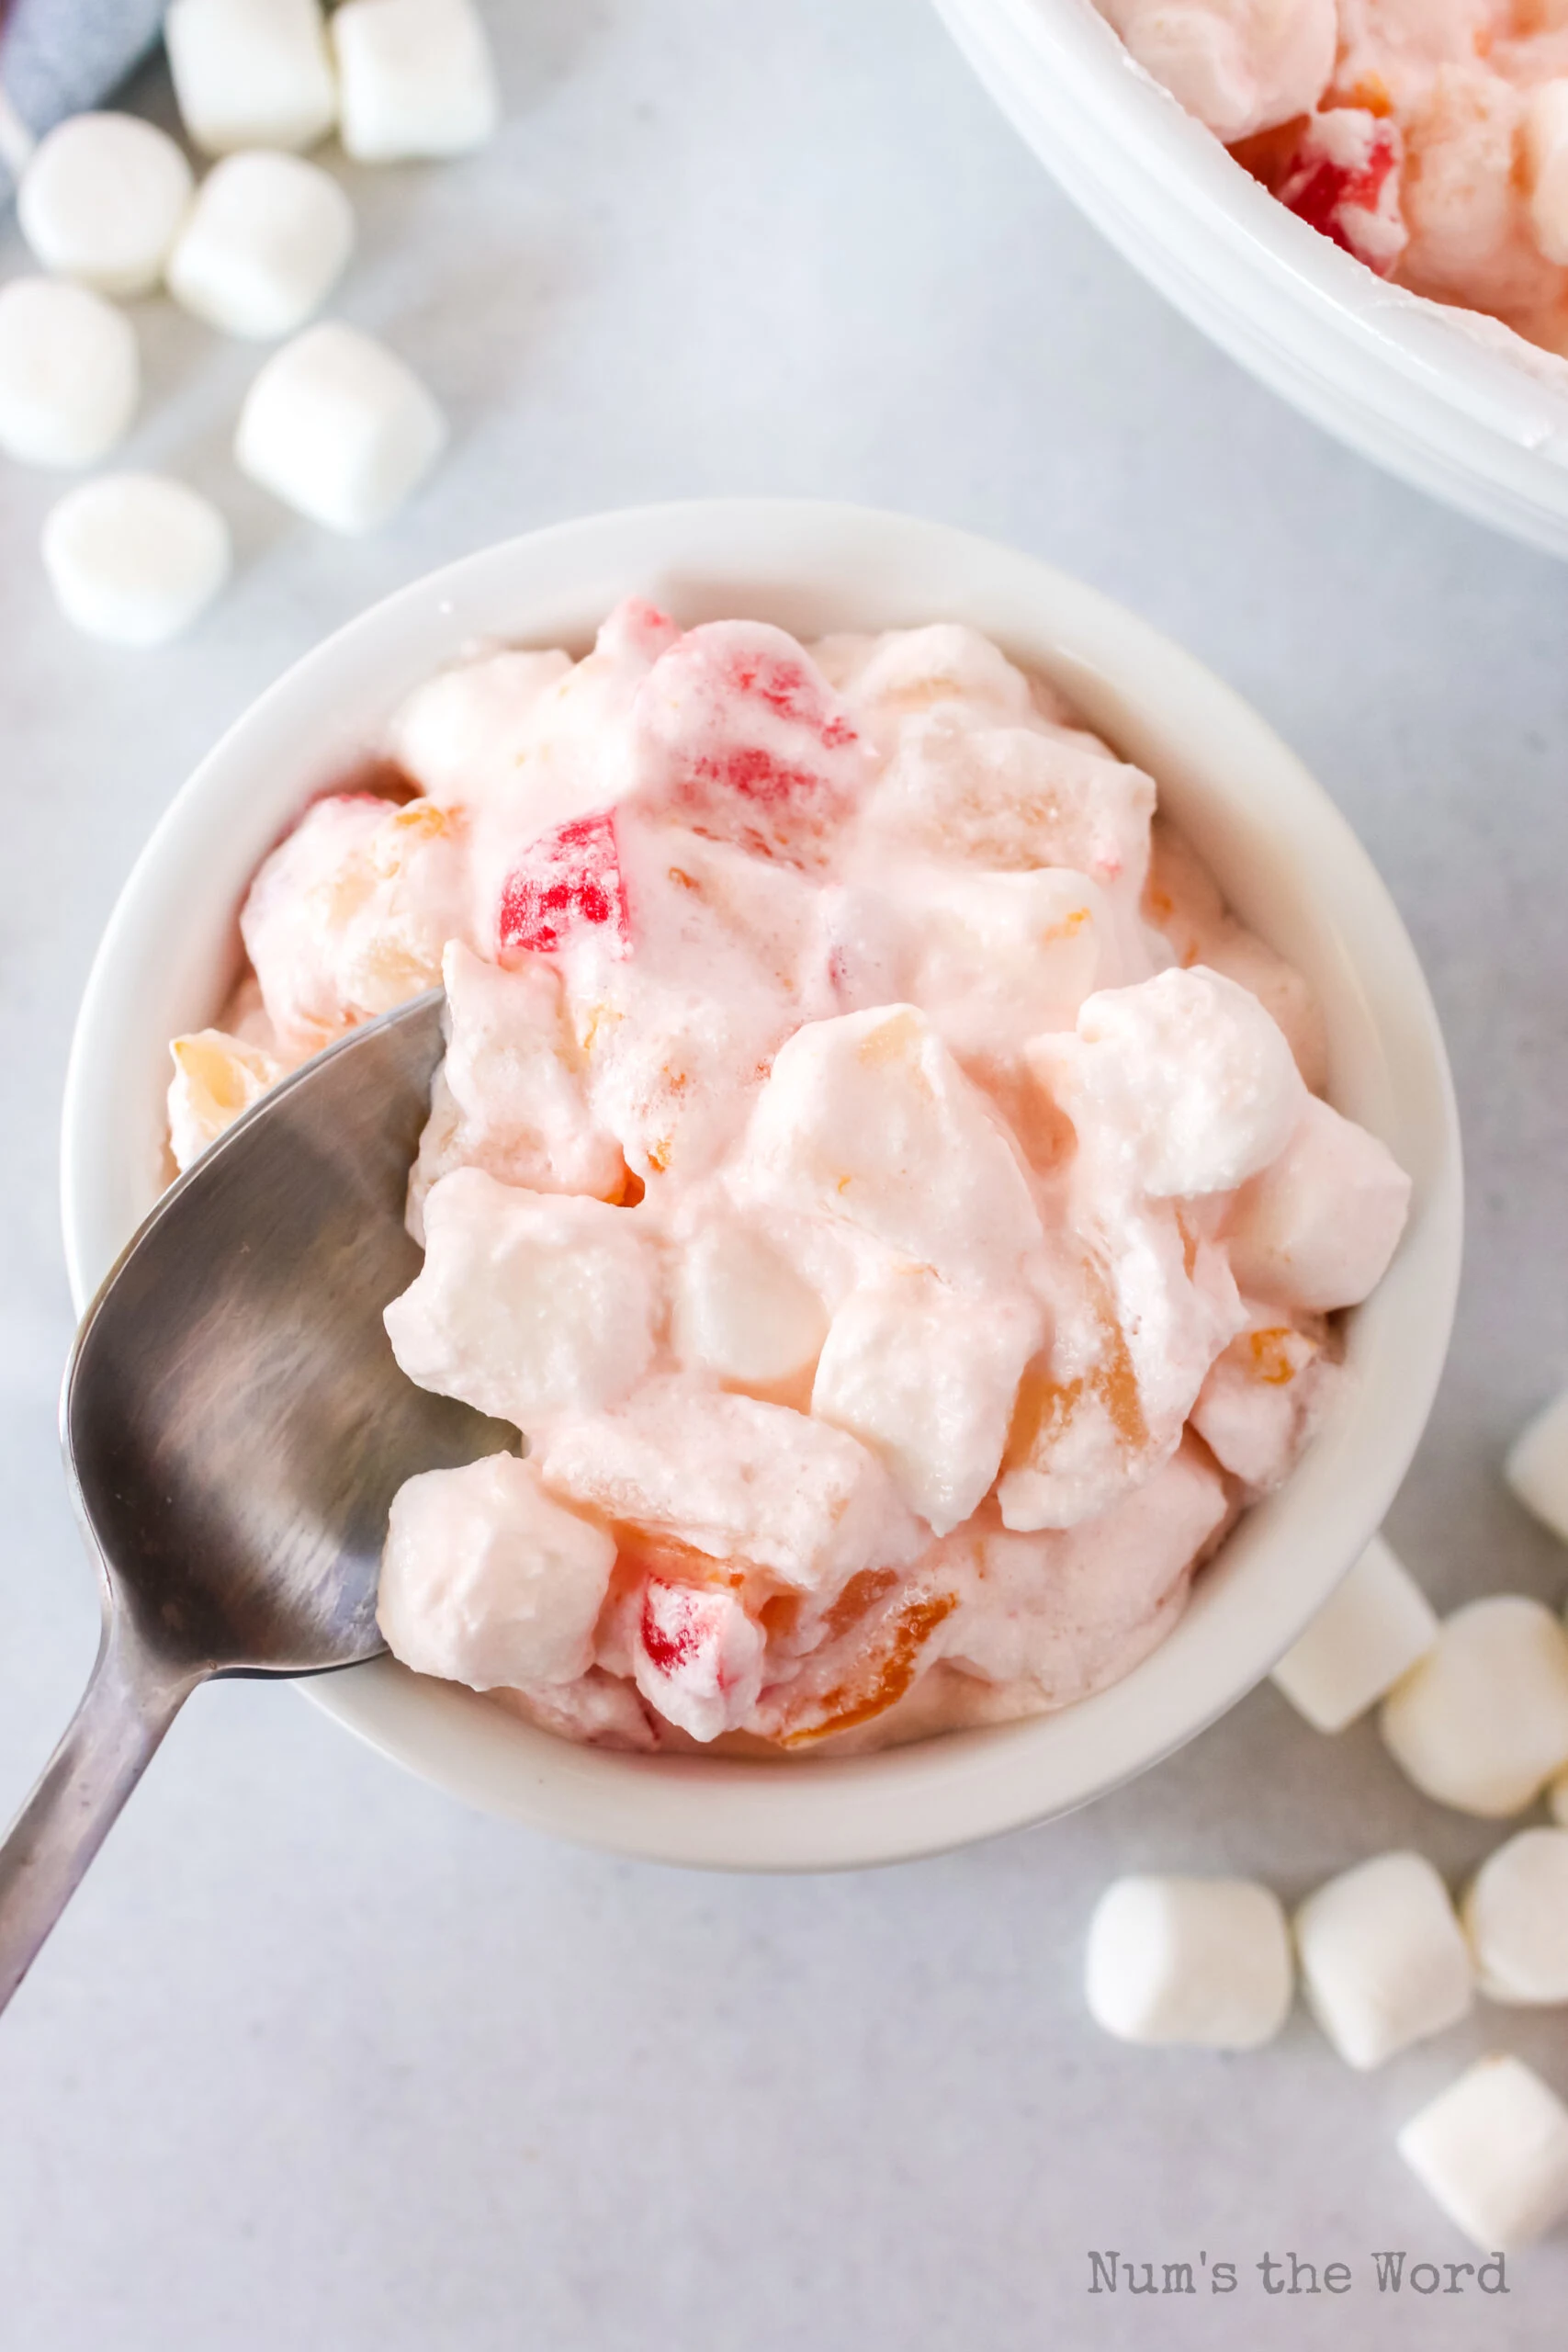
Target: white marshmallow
{"points": [[507, 1098], [1008, 798], [1546, 167], [134, 558], [102, 200], [69, 374], [1238, 65], [1481, 1723], [462, 734], [1493, 2150], [528, 1303], [999, 958], [926, 1377], [485, 1580], [266, 240], [737, 1479], [1384, 1961], [1372, 1630], [1191, 1082], [337, 428], [740, 1312], [1516, 1914], [1536, 1468], [251, 72], [868, 1118], [1205, 1961], [417, 78], [1319, 1226]]}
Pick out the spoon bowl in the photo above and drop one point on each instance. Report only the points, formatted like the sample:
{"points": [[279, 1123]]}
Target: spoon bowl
{"points": [[235, 1427]]}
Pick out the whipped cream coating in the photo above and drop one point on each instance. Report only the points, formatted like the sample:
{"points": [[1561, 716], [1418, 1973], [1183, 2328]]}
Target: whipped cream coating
{"points": [[1428, 138], [889, 1191]]}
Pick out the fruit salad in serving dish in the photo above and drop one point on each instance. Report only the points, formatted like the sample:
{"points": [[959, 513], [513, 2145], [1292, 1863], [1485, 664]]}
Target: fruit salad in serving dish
{"points": [[890, 1192]]}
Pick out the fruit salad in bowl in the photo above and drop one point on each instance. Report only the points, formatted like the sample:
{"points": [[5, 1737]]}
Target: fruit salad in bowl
{"points": [[941, 1154]]}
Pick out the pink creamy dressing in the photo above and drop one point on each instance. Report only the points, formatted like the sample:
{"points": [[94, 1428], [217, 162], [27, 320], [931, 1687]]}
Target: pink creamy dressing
{"points": [[870, 1165], [1429, 137]]}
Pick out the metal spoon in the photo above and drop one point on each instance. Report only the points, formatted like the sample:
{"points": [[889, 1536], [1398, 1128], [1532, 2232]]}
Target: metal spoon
{"points": [[235, 1428]]}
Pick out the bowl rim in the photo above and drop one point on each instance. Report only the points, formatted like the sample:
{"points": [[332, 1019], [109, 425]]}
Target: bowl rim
{"points": [[1450, 399], [785, 555]]}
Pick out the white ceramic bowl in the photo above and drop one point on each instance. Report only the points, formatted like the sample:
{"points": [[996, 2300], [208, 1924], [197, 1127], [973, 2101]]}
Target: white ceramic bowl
{"points": [[1467, 413], [1286, 859]]}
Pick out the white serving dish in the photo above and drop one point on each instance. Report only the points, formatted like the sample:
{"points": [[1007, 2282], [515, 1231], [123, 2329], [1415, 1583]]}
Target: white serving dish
{"points": [[1288, 862], [1451, 401]]}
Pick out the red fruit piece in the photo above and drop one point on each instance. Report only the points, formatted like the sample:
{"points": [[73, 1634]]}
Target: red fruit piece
{"points": [[743, 736], [567, 883], [701, 1662], [1344, 182]]}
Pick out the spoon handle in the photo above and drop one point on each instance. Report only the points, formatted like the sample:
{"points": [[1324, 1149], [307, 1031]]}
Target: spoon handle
{"points": [[129, 1702]]}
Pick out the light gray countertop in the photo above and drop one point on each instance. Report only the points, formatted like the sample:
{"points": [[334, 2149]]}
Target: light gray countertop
{"points": [[319, 2059]]}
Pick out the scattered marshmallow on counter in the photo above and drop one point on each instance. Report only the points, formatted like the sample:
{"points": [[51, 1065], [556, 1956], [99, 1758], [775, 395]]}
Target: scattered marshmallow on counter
{"points": [[1383, 1960], [1536, 1468], [266, 240], [102, 200], [337, 428], [69, 374], [134, 558], [1516, 1914], [1202, 1961], [1493, 2150], [251, 72], [1373, 1628], [416, 77], [1481, 1723]]}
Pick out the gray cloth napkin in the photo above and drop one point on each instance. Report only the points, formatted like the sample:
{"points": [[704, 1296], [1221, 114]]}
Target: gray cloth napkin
{"points": [[58, 56]]}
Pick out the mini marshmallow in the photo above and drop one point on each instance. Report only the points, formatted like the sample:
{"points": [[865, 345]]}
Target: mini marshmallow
{"points": [[1319, 1226], [739, 1311], [1384, 1961], [1546, 167], [134, 558], [868, 1118], [1189, 1072], [927, 1378], [1372, 1630], [1516, 1914], [1493, 2150], [1481, 1723], [737, 1478], [1536, 1468], [417, 78], [337, 428], [1237, 68], [528, 1303], [69, 374], [1203, 1961], [251, 72], [102, 200], [485, 1580], [264, 243]]}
